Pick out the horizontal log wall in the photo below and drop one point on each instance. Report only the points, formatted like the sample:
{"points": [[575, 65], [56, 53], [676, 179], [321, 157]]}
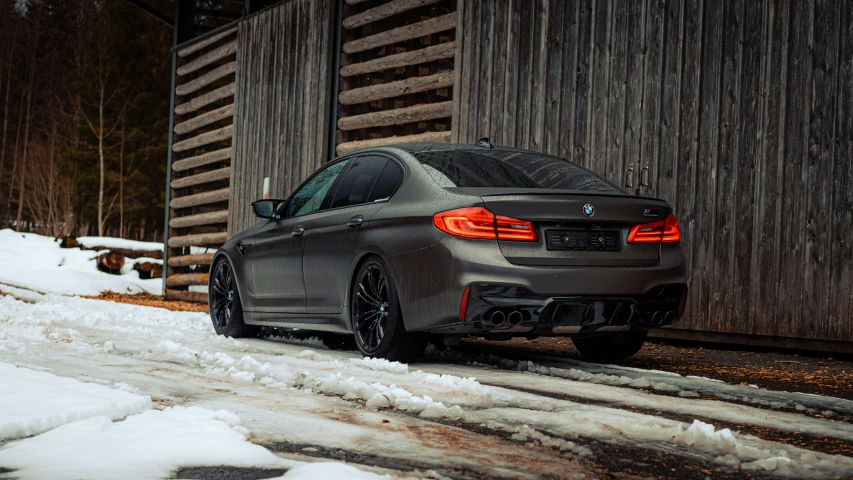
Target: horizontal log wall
{"points": [[396, 76], [201, 171], [282, 103], [738, 112]]}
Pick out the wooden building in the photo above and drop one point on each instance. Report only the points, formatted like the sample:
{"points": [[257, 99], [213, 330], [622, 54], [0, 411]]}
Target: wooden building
{"points": [[737, 112]]}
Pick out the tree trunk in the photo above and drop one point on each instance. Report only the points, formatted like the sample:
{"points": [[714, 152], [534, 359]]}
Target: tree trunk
{"points": [[5, 120], [22, 172], [15, 158], [101, 163]]}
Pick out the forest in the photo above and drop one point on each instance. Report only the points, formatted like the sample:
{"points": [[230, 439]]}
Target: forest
{"points": [[84, 103]]}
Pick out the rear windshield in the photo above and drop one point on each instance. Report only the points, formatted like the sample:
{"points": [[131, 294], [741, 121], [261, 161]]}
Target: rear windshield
{"points": [[509, 169]]}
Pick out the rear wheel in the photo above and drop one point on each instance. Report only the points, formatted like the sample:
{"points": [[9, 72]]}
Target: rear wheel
{"points": [[226, 311], [610, 347], [377, 319]]}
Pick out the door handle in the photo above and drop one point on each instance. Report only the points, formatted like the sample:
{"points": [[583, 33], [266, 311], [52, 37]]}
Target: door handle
{"points": [[644, 179], [355, 221], [299, 230]]}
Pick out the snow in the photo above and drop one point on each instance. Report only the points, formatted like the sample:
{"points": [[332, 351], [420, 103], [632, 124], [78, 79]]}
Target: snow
{"points": [[34, 402], [328, 471], [145, 446], [112, 242], [36, 263], [273, 391]]}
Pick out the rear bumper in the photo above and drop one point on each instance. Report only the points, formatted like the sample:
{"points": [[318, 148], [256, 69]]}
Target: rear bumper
{"points": [[431, 282], [514, 310]]}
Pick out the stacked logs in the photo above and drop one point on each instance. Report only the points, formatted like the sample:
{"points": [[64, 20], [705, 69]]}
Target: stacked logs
{"points": [[114, 259]]}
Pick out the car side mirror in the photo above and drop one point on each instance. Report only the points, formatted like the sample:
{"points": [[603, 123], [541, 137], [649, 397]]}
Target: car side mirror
{"points": [[266, 208]]}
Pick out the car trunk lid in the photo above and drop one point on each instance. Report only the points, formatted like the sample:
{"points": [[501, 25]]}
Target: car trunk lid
{"points": [[578, 229]]}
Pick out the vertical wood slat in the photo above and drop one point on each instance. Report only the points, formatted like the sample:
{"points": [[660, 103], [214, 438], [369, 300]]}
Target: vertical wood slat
{"points": [[281, 103], [742, 109]]}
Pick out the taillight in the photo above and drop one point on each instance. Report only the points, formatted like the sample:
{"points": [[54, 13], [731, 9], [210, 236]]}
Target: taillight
{"points": [[662, 231], [479, 223]]}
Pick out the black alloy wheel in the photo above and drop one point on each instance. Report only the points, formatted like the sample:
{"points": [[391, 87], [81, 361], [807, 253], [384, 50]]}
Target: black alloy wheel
{"points": [[226, 311], [371, 308], [377, 319]]}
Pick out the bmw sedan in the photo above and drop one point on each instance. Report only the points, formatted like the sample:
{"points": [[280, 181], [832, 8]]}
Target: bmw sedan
{"points": [[397, 246]]}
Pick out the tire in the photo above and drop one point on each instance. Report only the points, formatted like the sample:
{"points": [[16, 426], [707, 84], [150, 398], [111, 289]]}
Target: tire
{"points": [[376, 317], [609, 347], [226, 310]]}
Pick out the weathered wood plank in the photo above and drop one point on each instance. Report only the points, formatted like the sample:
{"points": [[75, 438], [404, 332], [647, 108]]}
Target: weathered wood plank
{"points": [[397, 116], [201, 160], [198, 240], [599, 73], [218, 135], [206, 79], [185, 52], [210, 218], [187, 260], [402, 34], [441, 51], [383, 11], [186, 279], [200, 178], [206, 99], [197, 199], [208, 58], [617, 168], [441, 137], [396, 89], [185, 296], [204, 119]]}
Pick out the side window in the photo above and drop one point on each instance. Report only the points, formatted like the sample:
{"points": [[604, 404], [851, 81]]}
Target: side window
{"points": [[388, 182], [359, 181], [309, 198]]}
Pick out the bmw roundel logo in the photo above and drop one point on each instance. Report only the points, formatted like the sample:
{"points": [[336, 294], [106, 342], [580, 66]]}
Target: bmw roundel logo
{"points": [[588, 210]]}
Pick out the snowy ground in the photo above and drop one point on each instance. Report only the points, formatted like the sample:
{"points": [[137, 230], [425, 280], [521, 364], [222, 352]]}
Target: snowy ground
{"points": [[111, 390], [35, 262]]}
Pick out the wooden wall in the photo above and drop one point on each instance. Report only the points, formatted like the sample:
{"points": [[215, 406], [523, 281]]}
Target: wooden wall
{"points": [[201, 153], [737, 112], [282, 104]]}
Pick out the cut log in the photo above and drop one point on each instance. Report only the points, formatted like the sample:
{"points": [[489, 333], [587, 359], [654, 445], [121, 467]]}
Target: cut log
{"points": [[186, 279], [198, 240], [206, 79], [148, 270], [110, 262], [402, 34], [218, 135], [205, 119], [395, 89], [210, 218], [399, 116], [187, 260], [203, 198], [205, 43], [206, 177], [440, 137], [185, 296], [206, 99], [416, 57], [200, 160], [69, 242], [383, 11], [212, 56]]}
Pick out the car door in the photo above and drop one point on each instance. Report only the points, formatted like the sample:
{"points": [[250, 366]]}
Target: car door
{"points": [[333, 239], [274, 254]]}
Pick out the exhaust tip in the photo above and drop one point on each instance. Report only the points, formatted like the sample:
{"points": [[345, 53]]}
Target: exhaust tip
{"points": [[515, 318], [669, 317], [657, 318], [498, 318]]}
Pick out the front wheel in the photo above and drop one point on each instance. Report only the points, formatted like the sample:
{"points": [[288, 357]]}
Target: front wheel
{"points": [[377, 319], [608, 347], [226, 311]]}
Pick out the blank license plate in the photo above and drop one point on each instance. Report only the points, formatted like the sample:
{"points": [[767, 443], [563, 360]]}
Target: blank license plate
{"points": [[583, 240]]}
